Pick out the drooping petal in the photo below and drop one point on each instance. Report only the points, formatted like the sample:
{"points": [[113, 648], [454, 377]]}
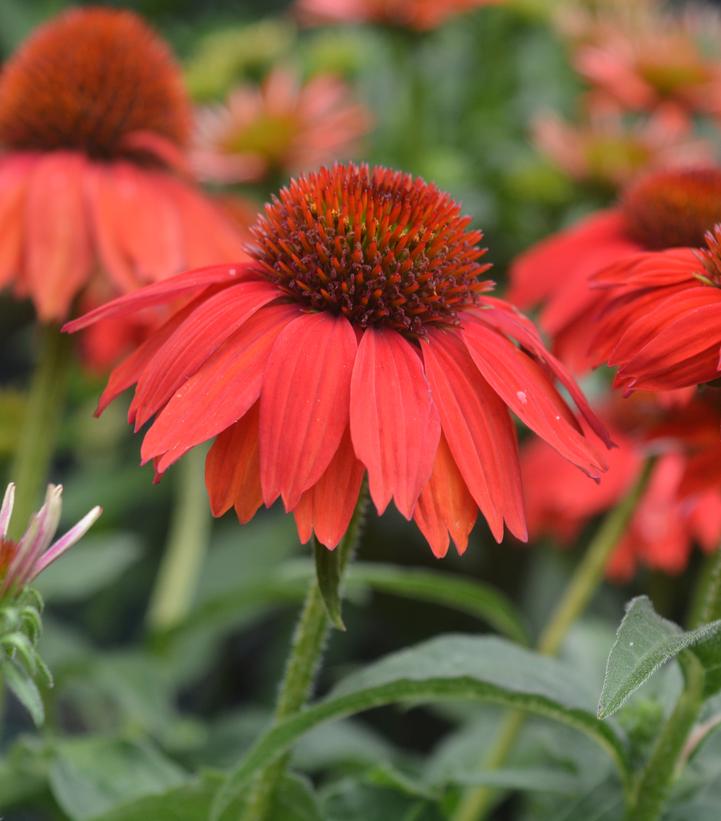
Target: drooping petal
{"points": [[328, 506], [202, 333], [479, 432], [15, 173], [164, 292], [130, 369], [525, 388], [445, 505], [304, 403], [232, 469], [57, 250], [220, 391], [393, 420]]}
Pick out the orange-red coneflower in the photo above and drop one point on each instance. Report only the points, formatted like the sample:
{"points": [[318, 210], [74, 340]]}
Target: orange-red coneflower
{"points": [[94, 123], [664, 209], [359, 339], [420, 15], [282, 126], [680, 506]]}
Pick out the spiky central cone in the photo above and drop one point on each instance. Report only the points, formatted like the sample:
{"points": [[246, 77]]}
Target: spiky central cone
{"points": [[710, 257], [91, 80], [374, 245], [674, 207]]}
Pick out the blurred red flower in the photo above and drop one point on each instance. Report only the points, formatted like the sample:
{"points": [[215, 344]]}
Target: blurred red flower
{"points": [[280, 127], [661, 210], [360, 338], [94, 122], [607, 150], [415, 14], [681, 505]]}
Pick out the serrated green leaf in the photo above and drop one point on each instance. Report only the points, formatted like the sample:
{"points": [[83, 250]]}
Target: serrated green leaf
{"points": [[26, 691], [448, 667], [328, 575], [644, 642], [91, 776]]}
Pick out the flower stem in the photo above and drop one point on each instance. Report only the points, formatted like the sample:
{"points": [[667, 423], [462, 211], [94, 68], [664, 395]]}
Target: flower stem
{"points": [[306, 651], [187, 542], [657, 775], [45, 403], [588, 575], [706, 602]]}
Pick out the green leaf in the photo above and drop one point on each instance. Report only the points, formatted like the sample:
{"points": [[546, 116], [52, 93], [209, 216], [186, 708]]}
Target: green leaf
{"points": [[89, 567], [448, 667], [295, 801], [91, 776], [458, 592], [644, 641], [26, 691], [328, 574]]}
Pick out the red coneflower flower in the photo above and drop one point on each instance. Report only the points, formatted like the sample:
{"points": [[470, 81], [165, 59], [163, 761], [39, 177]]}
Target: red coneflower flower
{"points": [[279, 127], [421, 15], [93, 125], [680, 506], [360, 338], [662, 210], [607, 150]]}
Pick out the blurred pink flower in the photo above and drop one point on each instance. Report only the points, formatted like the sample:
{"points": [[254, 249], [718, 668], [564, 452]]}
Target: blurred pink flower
{"points": [[651, 57], [281, 126], [421, 15], [22, 561], [608, 150]]}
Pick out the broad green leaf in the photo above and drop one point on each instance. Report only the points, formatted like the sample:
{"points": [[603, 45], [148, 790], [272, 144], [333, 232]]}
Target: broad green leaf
{"points": [[295, 801], [91, 776], [644, 641], [356, 800], [328, 575], [448, 667], [26, 691], [90, 566]]}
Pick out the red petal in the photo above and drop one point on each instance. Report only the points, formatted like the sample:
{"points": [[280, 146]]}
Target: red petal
{"points": [[58, 253], [220, 391], [131, 369], [479, 432], [651, 268], [394, 423], [445, 504], [304, 403], [525, 387], [194, 341], [328, 506], [14, 177], [232, 469], [163, 292]]}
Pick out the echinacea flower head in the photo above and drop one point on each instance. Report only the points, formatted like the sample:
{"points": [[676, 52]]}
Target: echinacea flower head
{"points": [[359, 340], [419, 15], [24, 560], [282, 127], [94, 126], [663, 211], [680, 507]]}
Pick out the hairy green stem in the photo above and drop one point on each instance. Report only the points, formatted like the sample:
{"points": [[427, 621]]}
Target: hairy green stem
{"points": [[185, 550], [657, 775], [46, 399], [706, 602], [306, 652], [477, 802]]}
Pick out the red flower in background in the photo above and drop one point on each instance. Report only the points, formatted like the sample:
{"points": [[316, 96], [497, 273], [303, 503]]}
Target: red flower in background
{"points": [[93, 125], [644, 57], [415, 14], [607, 150], [279, 127], [680, 506], [359, 339], [662, 210]]}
